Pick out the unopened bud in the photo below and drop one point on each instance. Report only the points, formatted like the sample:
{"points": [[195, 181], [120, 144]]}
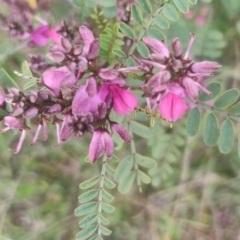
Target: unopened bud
{"points": [[177, 48]]}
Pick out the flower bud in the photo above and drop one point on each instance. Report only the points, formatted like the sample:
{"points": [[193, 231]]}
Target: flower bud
{"points": [[177, 48], [204, 67], [56, 56], [31, 112], [54, 109], [94, 49], [122, 132], [43, 95]]}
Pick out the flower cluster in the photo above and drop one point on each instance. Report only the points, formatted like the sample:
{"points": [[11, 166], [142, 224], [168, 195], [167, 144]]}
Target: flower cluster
{"points": [[77, 95], [177, 78]]}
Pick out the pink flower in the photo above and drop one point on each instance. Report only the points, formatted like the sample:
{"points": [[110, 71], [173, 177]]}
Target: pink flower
{"points": [[87, 100], [122, 132], [58, 78], [172, 107], [41, 35], [101, 141], [123, 101], [15, 124]]}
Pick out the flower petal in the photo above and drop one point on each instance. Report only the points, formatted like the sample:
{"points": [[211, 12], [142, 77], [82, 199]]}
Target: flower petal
{"points": [[95, 147], [172, 107], [157, 46]]}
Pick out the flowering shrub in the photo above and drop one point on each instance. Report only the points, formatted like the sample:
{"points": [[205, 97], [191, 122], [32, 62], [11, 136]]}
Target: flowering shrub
{"points": [[86, 78]]}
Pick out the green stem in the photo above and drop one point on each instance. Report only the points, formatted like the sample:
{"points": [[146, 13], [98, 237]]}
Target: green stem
{"points": [[216, 110], [144, 30], [101, 186]]}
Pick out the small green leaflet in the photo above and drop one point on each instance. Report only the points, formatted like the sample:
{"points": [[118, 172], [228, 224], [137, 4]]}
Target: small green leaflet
{"points": [[137, 14], [108, 183], [162, 22], [146, 162], [123, 168], [85, 208], [227, 98], [126, 182], [86, 232], [170, 12], [235, 109], [146, 6], [144, 177], [107, 208], [182, 5], [89, 183], [193, 122], [105, 231], [107, 196], [104, 221], [211, 133], [141, 130], [88, 196], [126, 30], [88, 220], [143, 50], [7, 80], [226, 137]]}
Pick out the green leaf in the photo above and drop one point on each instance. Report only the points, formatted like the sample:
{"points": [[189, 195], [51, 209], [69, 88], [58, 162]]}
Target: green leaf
{"points": [[88, 220], [130, 62], [85, 208], [193, 122], [126, 182], [143, 50], [235, 109], [119, 53], [182, 5], [89, 183], [141, 130], [107, 196], [137, 14], [210, 134], [104, 221], [26, 70], [214, 88], [144, 177], [155, 33], [108, 208], [193, 2], [227, 98], [162, 22], [7, 80], [170, 12], [145, 161], [146, 6], [123, 168], [114, 158], [105, 231], [29, 84], [88, 196], [87, 232], [226, 137], [108, 183], [126, 30], [106, 3], [110, 170]]}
